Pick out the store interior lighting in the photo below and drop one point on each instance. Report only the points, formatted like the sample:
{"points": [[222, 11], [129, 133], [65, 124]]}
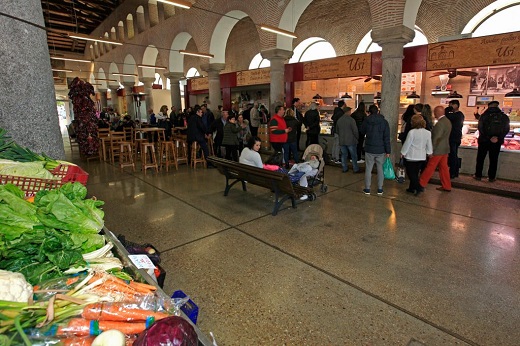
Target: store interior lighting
{"points": [[513, 94], [125, 74], [413, 95], [179, 3], [454, 95], [201, 55], [317, 97], [377, 97], [346, 96], [60, 70], [277, 31], [89, 38]]}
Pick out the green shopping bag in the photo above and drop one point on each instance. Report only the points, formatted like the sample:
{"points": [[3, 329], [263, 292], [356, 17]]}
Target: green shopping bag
{"points": [[388, 169]]}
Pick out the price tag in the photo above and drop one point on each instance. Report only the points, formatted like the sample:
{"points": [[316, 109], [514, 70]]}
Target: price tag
{"points": [[141, 261]]}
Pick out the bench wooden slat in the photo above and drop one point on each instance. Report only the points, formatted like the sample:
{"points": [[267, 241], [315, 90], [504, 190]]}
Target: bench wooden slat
{"points": [[278, 182]]}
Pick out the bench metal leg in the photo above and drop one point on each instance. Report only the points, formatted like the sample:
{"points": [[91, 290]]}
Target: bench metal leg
{"points": [[229, 186]]}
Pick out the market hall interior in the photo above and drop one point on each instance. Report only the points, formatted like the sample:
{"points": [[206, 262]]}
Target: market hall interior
{"points": [[345, 269]]}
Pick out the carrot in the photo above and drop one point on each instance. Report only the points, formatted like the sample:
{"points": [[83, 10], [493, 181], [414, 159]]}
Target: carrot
{"points": [[113, 283], [119, 312], [139, 286], [77, 341], [83, 327]]}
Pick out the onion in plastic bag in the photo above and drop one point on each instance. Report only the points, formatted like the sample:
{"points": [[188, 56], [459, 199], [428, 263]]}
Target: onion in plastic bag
{"points": [[170, 331]]}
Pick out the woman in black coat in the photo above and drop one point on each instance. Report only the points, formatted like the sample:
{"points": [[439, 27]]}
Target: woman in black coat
{"points": [[312, 124]]}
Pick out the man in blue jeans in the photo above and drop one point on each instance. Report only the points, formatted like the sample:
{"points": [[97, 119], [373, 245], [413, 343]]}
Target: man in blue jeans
{"points": [[377, 147], [348, 135]]}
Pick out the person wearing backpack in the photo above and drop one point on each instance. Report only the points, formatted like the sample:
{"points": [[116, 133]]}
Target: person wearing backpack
{"points": [[493, 126]]}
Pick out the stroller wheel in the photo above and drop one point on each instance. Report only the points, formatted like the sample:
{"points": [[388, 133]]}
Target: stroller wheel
{"points": [[324, 188], [312, 196]]}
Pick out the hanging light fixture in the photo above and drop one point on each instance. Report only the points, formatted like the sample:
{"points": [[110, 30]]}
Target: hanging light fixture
{"points": [[89, 38], [454, 95], [60, 70], [201, 55], [125, 74], [414, 95], [377, 97], [179, 3], [278, 31], [346, 96], [513, 94], [317, 97], [152, 66], [69, 59]]}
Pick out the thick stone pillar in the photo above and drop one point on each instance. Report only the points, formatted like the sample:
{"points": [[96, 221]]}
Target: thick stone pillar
{"points": [[392, 40], [113, 96], [213, 71], [26, 80], [277, 57], [175, 89], [103, 97], [129, 98], [148, 82]]}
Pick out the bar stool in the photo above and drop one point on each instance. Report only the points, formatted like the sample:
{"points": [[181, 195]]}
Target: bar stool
{"points": [[138, 142], [181, 150], [148, 159], [126, 156], [210, 146], [168, 155], [115, 140], [194, 159]]}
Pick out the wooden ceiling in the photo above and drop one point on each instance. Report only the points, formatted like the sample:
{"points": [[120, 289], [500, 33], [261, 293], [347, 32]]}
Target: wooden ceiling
{"points": [[80, 16]]}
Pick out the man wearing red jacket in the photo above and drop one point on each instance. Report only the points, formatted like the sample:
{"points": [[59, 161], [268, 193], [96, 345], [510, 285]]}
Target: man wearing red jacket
{"points": [[278, 129]]}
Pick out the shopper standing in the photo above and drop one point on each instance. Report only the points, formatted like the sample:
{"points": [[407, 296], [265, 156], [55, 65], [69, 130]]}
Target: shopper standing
{"points": [[338, 113], [456, 118], [377, 146], [230, 139], [441, 148], [493, 126], [291, 146], [255, 120], [296, 106], [312, 124], [278, 129], [359, 115], [347, 132]]}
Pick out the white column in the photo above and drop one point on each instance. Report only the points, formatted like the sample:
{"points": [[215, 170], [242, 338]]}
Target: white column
{"points": [[277, 57], [129, 98], [215, 95], [392, 40], [175, 89], [103, 97], [148, 82]]}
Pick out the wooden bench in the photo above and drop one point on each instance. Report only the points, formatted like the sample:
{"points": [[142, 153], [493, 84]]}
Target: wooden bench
{"points": [[275, 181]]}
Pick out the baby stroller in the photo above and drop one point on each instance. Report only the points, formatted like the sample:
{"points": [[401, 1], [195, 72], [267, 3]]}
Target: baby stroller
{"points": [[318, 178]]}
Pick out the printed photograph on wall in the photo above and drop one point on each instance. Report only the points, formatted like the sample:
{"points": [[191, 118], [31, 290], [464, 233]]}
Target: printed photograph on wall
{"points": [[495, 80]]}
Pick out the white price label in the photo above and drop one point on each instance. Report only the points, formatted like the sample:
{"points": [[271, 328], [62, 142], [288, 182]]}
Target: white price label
{"points": [[141, 261]]}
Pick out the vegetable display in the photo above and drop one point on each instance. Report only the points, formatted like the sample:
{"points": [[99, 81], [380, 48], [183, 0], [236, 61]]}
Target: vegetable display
{"points": [[9, 150]]}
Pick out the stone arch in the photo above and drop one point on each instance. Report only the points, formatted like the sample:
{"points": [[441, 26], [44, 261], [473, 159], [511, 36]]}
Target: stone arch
{"points": [[107, 46], [176, 61], [130, 67], [149, 58], [129, 26], [101, 75], [221, 34], [290, 17], [168, 10], [486, 13], [140, 21], [153, 12], [111, 70], [121, 31], [410, 13]]}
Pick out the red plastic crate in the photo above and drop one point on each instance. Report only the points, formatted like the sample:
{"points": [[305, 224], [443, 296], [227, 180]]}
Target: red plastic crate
{"points": [[67, 174]]}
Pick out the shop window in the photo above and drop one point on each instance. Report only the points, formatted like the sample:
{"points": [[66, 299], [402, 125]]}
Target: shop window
{"points": [[366, 45], [497, 18]]}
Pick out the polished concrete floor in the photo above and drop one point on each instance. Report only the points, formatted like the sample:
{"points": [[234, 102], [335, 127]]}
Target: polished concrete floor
{"points": [[346, 269]]}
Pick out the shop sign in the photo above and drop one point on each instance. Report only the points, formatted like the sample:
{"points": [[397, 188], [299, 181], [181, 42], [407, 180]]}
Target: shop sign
{"points": [[479, 51], [200, 83], [254, 77], [341, 66]]}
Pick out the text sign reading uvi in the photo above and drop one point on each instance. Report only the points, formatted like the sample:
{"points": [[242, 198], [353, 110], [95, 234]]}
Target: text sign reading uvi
{"points": [[479, 51], [341, 66], [254, 77], [200, 83]]}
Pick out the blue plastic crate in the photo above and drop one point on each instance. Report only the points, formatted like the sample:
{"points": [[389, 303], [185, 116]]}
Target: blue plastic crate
{"points": [[190, 308]]}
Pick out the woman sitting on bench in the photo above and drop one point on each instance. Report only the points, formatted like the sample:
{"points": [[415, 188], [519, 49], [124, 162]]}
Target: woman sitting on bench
{"points": [[250, 155]]}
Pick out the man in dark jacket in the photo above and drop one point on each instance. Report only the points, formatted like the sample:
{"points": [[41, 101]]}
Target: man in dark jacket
{"points": [[359, 115], [197, 132], [493, 126], [348, 133], [218, 127], [296, 106], [312, 124], [338, 113], [457, 121], [377, 147]]}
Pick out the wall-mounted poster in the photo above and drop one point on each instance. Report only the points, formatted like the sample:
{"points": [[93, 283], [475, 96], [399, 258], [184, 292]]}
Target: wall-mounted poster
{"points": [[484, 100], [472, 100], [495, 80]]}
